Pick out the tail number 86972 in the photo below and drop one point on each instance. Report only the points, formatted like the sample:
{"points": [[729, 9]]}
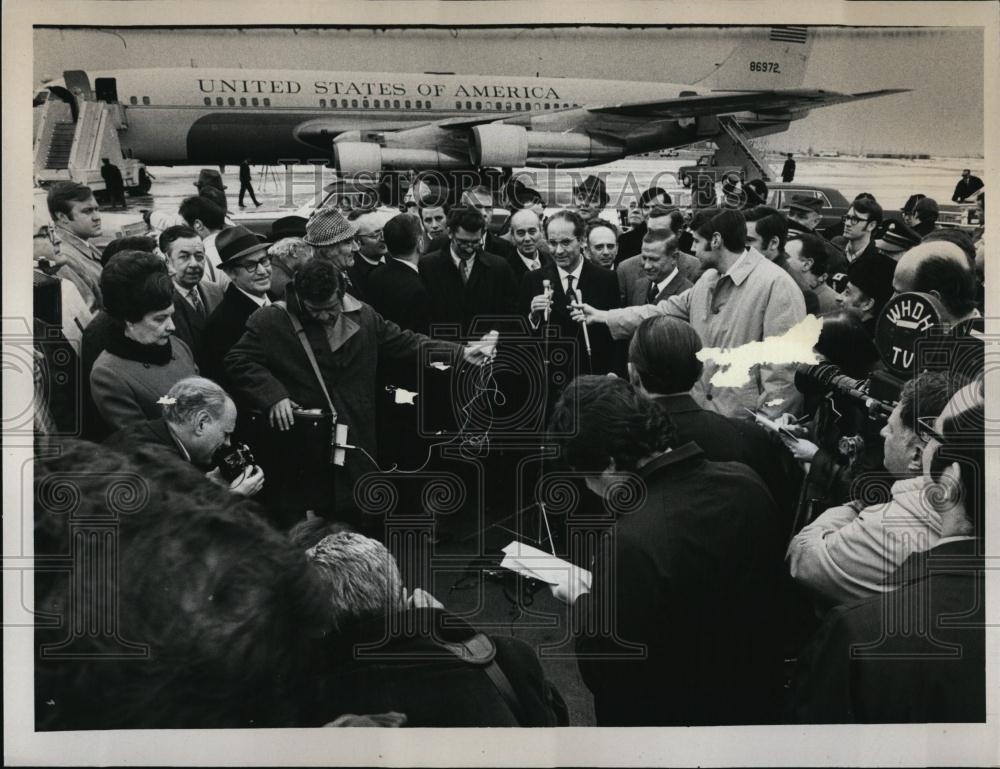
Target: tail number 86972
{"points": [[765, 66]]}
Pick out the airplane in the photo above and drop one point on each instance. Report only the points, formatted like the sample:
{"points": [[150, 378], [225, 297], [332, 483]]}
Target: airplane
{"points": [[383, 121]]}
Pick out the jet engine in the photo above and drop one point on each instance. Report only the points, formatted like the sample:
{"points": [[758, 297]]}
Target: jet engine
{"points": [[513, 146], [368, 157]]}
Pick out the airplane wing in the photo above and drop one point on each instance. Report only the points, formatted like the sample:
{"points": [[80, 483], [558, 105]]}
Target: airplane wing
{"points": [[726, 102]]}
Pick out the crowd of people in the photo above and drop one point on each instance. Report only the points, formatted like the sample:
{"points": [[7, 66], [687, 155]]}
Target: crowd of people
{"points": [[785, 552]]}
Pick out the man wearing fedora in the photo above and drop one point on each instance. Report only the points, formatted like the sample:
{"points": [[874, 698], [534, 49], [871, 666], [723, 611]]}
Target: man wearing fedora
{"points": [[243, 258], [332, 239], [288, 252]]}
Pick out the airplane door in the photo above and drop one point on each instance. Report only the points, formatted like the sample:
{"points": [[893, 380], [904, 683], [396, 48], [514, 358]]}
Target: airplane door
{"points": [[78, 84], [107, 89]]}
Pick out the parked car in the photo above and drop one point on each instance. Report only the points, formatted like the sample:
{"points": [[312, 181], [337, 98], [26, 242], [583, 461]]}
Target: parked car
{"points": [[706, 166]]}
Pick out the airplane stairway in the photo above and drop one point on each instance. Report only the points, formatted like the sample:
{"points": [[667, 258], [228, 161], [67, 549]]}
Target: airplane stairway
{"points": [[741, 148], [60, 146]]}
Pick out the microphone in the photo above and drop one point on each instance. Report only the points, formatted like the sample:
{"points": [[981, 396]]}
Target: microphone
{"points": [[586, 334], [547, 288]]}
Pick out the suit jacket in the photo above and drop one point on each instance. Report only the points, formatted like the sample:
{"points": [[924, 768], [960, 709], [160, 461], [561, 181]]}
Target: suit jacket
{"points": [[223, 329], [491, 290], [711, 563], [640, 290], [359, 273], [519, 268], [189, 323], [599, 288], [928, 668], [397, 292], [630, 272], [630, 243]]}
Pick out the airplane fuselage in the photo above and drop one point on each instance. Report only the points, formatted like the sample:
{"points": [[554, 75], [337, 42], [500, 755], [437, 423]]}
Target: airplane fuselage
{"points": [[199, 116]]}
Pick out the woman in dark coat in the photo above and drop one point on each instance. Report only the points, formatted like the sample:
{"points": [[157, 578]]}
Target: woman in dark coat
{"points": [[141, 362]]}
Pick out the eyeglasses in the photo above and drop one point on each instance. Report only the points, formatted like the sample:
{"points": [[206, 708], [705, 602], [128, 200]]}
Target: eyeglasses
{"points": [[852, 219], [926, 426], [377, 235], [253, 267], [469, 244]]}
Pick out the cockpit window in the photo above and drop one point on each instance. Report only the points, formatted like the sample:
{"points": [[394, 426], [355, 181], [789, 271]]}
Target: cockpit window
{"points": [[40, 98]]}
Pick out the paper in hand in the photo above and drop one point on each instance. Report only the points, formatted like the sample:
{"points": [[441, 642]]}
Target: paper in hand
{"points": [[404, 396]]}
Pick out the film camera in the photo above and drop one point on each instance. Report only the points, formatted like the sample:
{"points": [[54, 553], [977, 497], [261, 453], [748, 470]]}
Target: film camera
{"points": [[233, 460]]}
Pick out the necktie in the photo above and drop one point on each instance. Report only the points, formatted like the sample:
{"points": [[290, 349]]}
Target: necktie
{"points": [[652, 293], [196, 301], [348, 284], [570, 293], [466, 269], [536, 265]]}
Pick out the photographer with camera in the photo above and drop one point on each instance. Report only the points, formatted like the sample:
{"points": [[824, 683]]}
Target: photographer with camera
{"points": [[198, 420]]}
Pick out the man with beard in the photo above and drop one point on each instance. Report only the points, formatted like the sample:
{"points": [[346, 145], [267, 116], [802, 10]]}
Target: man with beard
{"points": [[194, 299]]}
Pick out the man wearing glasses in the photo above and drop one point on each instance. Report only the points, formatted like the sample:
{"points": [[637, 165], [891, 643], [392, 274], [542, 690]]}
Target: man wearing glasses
{"points": [[245, 261], [860, 222], [371, 251], [463, 279], [848, 552]]}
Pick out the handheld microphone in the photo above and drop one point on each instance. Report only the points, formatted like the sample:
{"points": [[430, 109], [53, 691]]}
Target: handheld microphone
{"points": [[547, 288], [586, 334]]}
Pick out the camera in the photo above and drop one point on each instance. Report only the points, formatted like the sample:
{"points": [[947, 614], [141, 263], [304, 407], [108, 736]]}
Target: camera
{"points": [[233, 460]]}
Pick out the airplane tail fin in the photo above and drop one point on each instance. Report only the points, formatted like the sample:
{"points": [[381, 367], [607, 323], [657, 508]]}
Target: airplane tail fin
{"points": [[772, 57]]}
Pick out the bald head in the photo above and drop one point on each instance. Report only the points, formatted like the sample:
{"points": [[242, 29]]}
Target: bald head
{"points": [[942, 269], [526, 231], [908, 266]]}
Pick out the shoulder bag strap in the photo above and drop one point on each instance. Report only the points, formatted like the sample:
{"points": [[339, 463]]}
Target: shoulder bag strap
{"points": [[301, 332]]}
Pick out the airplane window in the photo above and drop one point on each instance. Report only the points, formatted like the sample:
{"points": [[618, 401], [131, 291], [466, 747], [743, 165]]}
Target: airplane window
{"points": [[499, 105], [537, 105], [508, 106], [267, 102], [243, 101], [218, 101], [208, 101], [135, 99], [468, 105], [255, 101], [548, 106], [343, 103], [232, 101], [322, 102], [458, 105], [517, 105], [365, 104], [407, 103], [354, 103], [479, 105], [377, 104], [427, 105], [145, 100], [395, 104]]}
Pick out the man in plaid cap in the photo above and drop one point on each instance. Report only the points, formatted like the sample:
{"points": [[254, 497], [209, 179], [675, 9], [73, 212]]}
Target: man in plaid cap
{"points": [[332, 238]]}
